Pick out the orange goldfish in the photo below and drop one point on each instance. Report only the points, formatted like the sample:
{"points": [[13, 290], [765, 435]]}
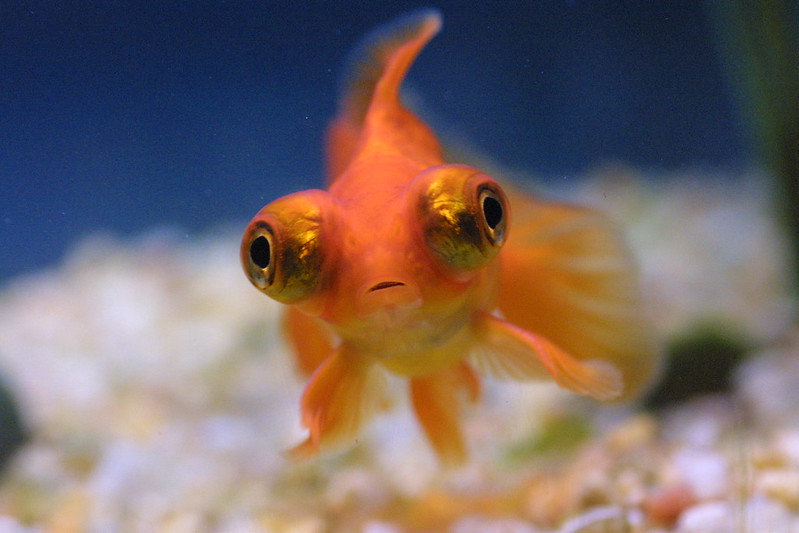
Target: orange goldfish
{"points": [[408, 264]]}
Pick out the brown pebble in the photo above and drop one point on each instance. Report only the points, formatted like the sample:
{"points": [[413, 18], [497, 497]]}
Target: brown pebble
{"points": [[665, 505]]}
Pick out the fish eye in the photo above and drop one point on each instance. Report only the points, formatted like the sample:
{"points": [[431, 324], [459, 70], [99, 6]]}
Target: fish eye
{"points": [[281, 250], [463, 215], [257, 246], [261, 252], [493, 215]]}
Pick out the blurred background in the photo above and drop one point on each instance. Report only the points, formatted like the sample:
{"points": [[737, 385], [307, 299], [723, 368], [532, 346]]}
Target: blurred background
{"points": [[123, 116], [147, 378]]}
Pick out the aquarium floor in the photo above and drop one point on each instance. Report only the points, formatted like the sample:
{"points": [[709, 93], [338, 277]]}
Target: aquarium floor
{"points": [[159, 396]]}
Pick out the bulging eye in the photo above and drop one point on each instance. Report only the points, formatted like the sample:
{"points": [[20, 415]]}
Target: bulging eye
{"points": [[257, 250], [281, 250], [492, 206], [463, 214]]}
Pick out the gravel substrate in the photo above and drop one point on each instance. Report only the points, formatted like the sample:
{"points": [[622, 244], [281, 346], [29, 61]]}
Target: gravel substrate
{"points": [[160, 397]]}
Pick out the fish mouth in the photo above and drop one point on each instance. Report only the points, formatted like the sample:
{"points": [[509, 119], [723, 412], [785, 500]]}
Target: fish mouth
{"points": [[389, 295], [385, 285]]}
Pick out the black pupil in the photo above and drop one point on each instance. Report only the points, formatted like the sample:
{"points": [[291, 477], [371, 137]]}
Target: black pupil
{"points": [[260, 253], [492, 210]]}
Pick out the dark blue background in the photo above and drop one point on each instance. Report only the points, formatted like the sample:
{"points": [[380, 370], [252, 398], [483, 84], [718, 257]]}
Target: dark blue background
{"points": [[127, 115]]}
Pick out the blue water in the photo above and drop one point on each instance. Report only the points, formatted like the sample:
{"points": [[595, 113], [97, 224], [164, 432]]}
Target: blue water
{"points": [[122, 116]]}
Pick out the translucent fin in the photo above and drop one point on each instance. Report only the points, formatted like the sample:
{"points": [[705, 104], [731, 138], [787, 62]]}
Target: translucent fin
{"points": [[437, 399], [311, 339], [567, 276], [341, 397], [506, 351], [371, 90]]}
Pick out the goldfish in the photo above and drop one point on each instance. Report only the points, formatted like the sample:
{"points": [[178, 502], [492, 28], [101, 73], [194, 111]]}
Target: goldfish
{"points": [[436, 272]]}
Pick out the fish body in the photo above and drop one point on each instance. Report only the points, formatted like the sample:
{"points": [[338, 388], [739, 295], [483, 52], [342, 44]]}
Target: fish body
{"points": [[409, 264]]}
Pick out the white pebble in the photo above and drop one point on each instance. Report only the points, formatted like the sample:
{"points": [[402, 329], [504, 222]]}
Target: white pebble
{"points": [[706, 472], [713, 517], [475, 524], [759, 514], [10, 525], [600, 520], [381, 527]]}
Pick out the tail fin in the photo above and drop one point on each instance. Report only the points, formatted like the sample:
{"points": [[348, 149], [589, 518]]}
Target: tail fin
{"points": [[370, 96]]}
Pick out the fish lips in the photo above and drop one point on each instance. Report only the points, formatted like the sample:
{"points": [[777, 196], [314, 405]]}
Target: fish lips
{"points": [[390, 295]]}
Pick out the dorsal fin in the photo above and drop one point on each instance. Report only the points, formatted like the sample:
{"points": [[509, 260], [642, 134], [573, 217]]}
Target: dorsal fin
{"points": [[370, 93]]}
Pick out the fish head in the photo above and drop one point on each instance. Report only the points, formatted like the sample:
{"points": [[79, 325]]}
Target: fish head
{"points": [[385, 257]]}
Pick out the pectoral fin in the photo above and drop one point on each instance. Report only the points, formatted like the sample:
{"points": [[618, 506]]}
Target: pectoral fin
{"points": [[313, 343], [506, 351], [437, 400], [342, 395], [567, 275]]}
